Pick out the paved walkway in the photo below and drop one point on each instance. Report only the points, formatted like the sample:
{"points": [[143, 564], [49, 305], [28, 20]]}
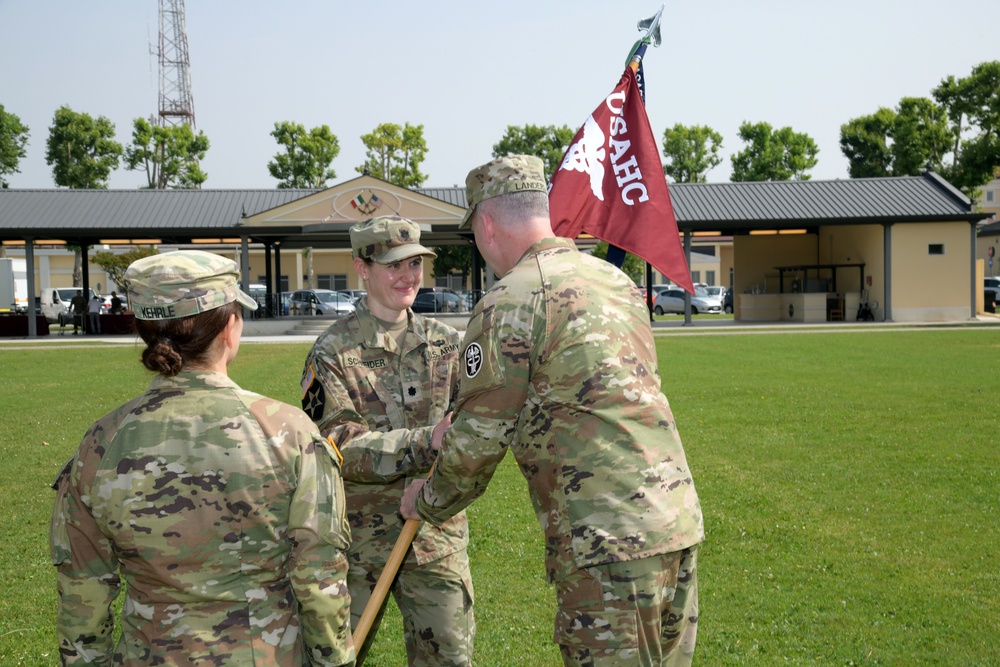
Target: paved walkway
{"points": [[702, 326]]}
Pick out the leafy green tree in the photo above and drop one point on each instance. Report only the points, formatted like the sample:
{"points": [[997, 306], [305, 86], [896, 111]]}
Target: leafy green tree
{"points": [[395, 153], [957, 133], [116, 264], [634, 267], [920, 136], [865, 143], [13, 139], [170, 155], [900, 142], [547, 142], [82, 151], [773, 155], [452, 258], [307, 157], [973, 108], [691, 151]]}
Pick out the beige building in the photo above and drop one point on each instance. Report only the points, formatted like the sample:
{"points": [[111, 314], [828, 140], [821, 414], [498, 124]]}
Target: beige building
{"points": [[792, 250]]}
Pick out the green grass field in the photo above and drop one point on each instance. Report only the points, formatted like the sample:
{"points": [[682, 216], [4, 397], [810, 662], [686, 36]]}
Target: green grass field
{"points": [[849, 481]]}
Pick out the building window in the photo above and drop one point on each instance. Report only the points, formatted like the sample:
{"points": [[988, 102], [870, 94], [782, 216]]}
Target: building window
{"points": [[334, 281], [282, 282], [696, 276], [935, 249], [989, 195], [710, 277], [455, 281]]}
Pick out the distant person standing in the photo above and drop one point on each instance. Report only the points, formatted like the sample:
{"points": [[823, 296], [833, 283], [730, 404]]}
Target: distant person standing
{"points": [[94, 315], [78, 305], [116, 303]]}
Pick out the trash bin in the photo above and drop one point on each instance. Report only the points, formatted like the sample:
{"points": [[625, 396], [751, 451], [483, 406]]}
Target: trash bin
{"points": [[989, 301]]}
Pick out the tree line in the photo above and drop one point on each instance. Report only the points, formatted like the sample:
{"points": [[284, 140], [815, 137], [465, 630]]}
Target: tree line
{"points": [[955, 131]]}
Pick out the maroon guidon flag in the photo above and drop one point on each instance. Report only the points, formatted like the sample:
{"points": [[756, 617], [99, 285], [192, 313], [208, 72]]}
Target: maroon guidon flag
{"points": [[611, 185]]}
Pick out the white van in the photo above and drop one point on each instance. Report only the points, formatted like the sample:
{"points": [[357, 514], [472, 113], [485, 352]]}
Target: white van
{"points": [[13, 285], [56, 304]]}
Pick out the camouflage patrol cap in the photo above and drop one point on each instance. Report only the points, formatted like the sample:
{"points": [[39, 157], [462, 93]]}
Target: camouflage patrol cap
{"points": [[182, 283], [511, 173], [387, 240]]}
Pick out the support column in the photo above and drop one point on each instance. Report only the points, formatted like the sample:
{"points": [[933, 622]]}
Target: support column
{"points": [[649, 290], [279, 309], [245, 269], [29, 270], [887, 278], [974, 285], [268, 280], [687, 258]]}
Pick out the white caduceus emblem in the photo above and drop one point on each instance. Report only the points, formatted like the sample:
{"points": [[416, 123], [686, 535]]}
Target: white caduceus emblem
{"points": [[473, 360], [587, 155]]}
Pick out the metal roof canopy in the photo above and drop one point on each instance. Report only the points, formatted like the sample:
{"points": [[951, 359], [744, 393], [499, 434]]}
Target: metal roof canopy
{"points": [[181, 216], [739, 208]]}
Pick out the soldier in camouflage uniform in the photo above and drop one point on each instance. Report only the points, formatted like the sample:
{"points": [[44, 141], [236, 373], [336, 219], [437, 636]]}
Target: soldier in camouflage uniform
{"points": [[222, 510], [559, 364], [376, 382]]}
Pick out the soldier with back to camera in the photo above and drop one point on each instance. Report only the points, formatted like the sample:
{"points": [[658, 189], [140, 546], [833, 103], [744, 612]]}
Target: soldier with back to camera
{"points": [[559, 365]]}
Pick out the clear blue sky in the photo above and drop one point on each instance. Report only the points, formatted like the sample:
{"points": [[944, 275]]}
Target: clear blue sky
{"points": [[466, 70]]}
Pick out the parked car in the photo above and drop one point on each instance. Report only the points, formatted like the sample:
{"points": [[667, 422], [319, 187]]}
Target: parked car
{"points": [[714, 290], [992, 284], [672, 301], [319, 302], [661, 288], [710, 299], [471, 297], [353, 294], [727, 301], [439, 300], [107, 301]]}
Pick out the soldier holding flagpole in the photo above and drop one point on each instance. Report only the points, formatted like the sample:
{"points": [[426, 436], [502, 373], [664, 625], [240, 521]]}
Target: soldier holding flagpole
{"points": [[559, 364]]}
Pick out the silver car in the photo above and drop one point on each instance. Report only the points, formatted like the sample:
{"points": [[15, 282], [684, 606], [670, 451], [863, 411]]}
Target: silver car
{"points": [[672, 301], [319, 302]]}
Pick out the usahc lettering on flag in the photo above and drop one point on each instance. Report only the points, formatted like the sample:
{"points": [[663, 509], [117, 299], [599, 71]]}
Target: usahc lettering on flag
{"points": [[611, 185]]}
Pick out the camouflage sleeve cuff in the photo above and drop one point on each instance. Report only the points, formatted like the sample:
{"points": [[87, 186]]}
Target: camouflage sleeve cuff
{"points": [[422, 452]]}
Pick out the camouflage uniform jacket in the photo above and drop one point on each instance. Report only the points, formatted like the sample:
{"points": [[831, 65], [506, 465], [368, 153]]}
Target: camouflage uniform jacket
{"points": [[380, 407], [559, 364], [78, 304], [223, 512]]}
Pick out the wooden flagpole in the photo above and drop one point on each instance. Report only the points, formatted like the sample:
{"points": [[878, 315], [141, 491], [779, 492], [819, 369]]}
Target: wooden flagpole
{"points": [[384, 583]]}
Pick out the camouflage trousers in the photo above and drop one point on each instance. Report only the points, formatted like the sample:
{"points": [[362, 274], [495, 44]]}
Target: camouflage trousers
{"points": [[640, 612], [435, 601]]}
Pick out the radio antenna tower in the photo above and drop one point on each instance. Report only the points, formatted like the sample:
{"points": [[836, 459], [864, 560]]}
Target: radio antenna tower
{"points": [[176, 103]]}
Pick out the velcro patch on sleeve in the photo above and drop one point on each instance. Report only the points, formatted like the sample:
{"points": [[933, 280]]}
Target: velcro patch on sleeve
{"points": [[480, 362], [313, 395]]}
